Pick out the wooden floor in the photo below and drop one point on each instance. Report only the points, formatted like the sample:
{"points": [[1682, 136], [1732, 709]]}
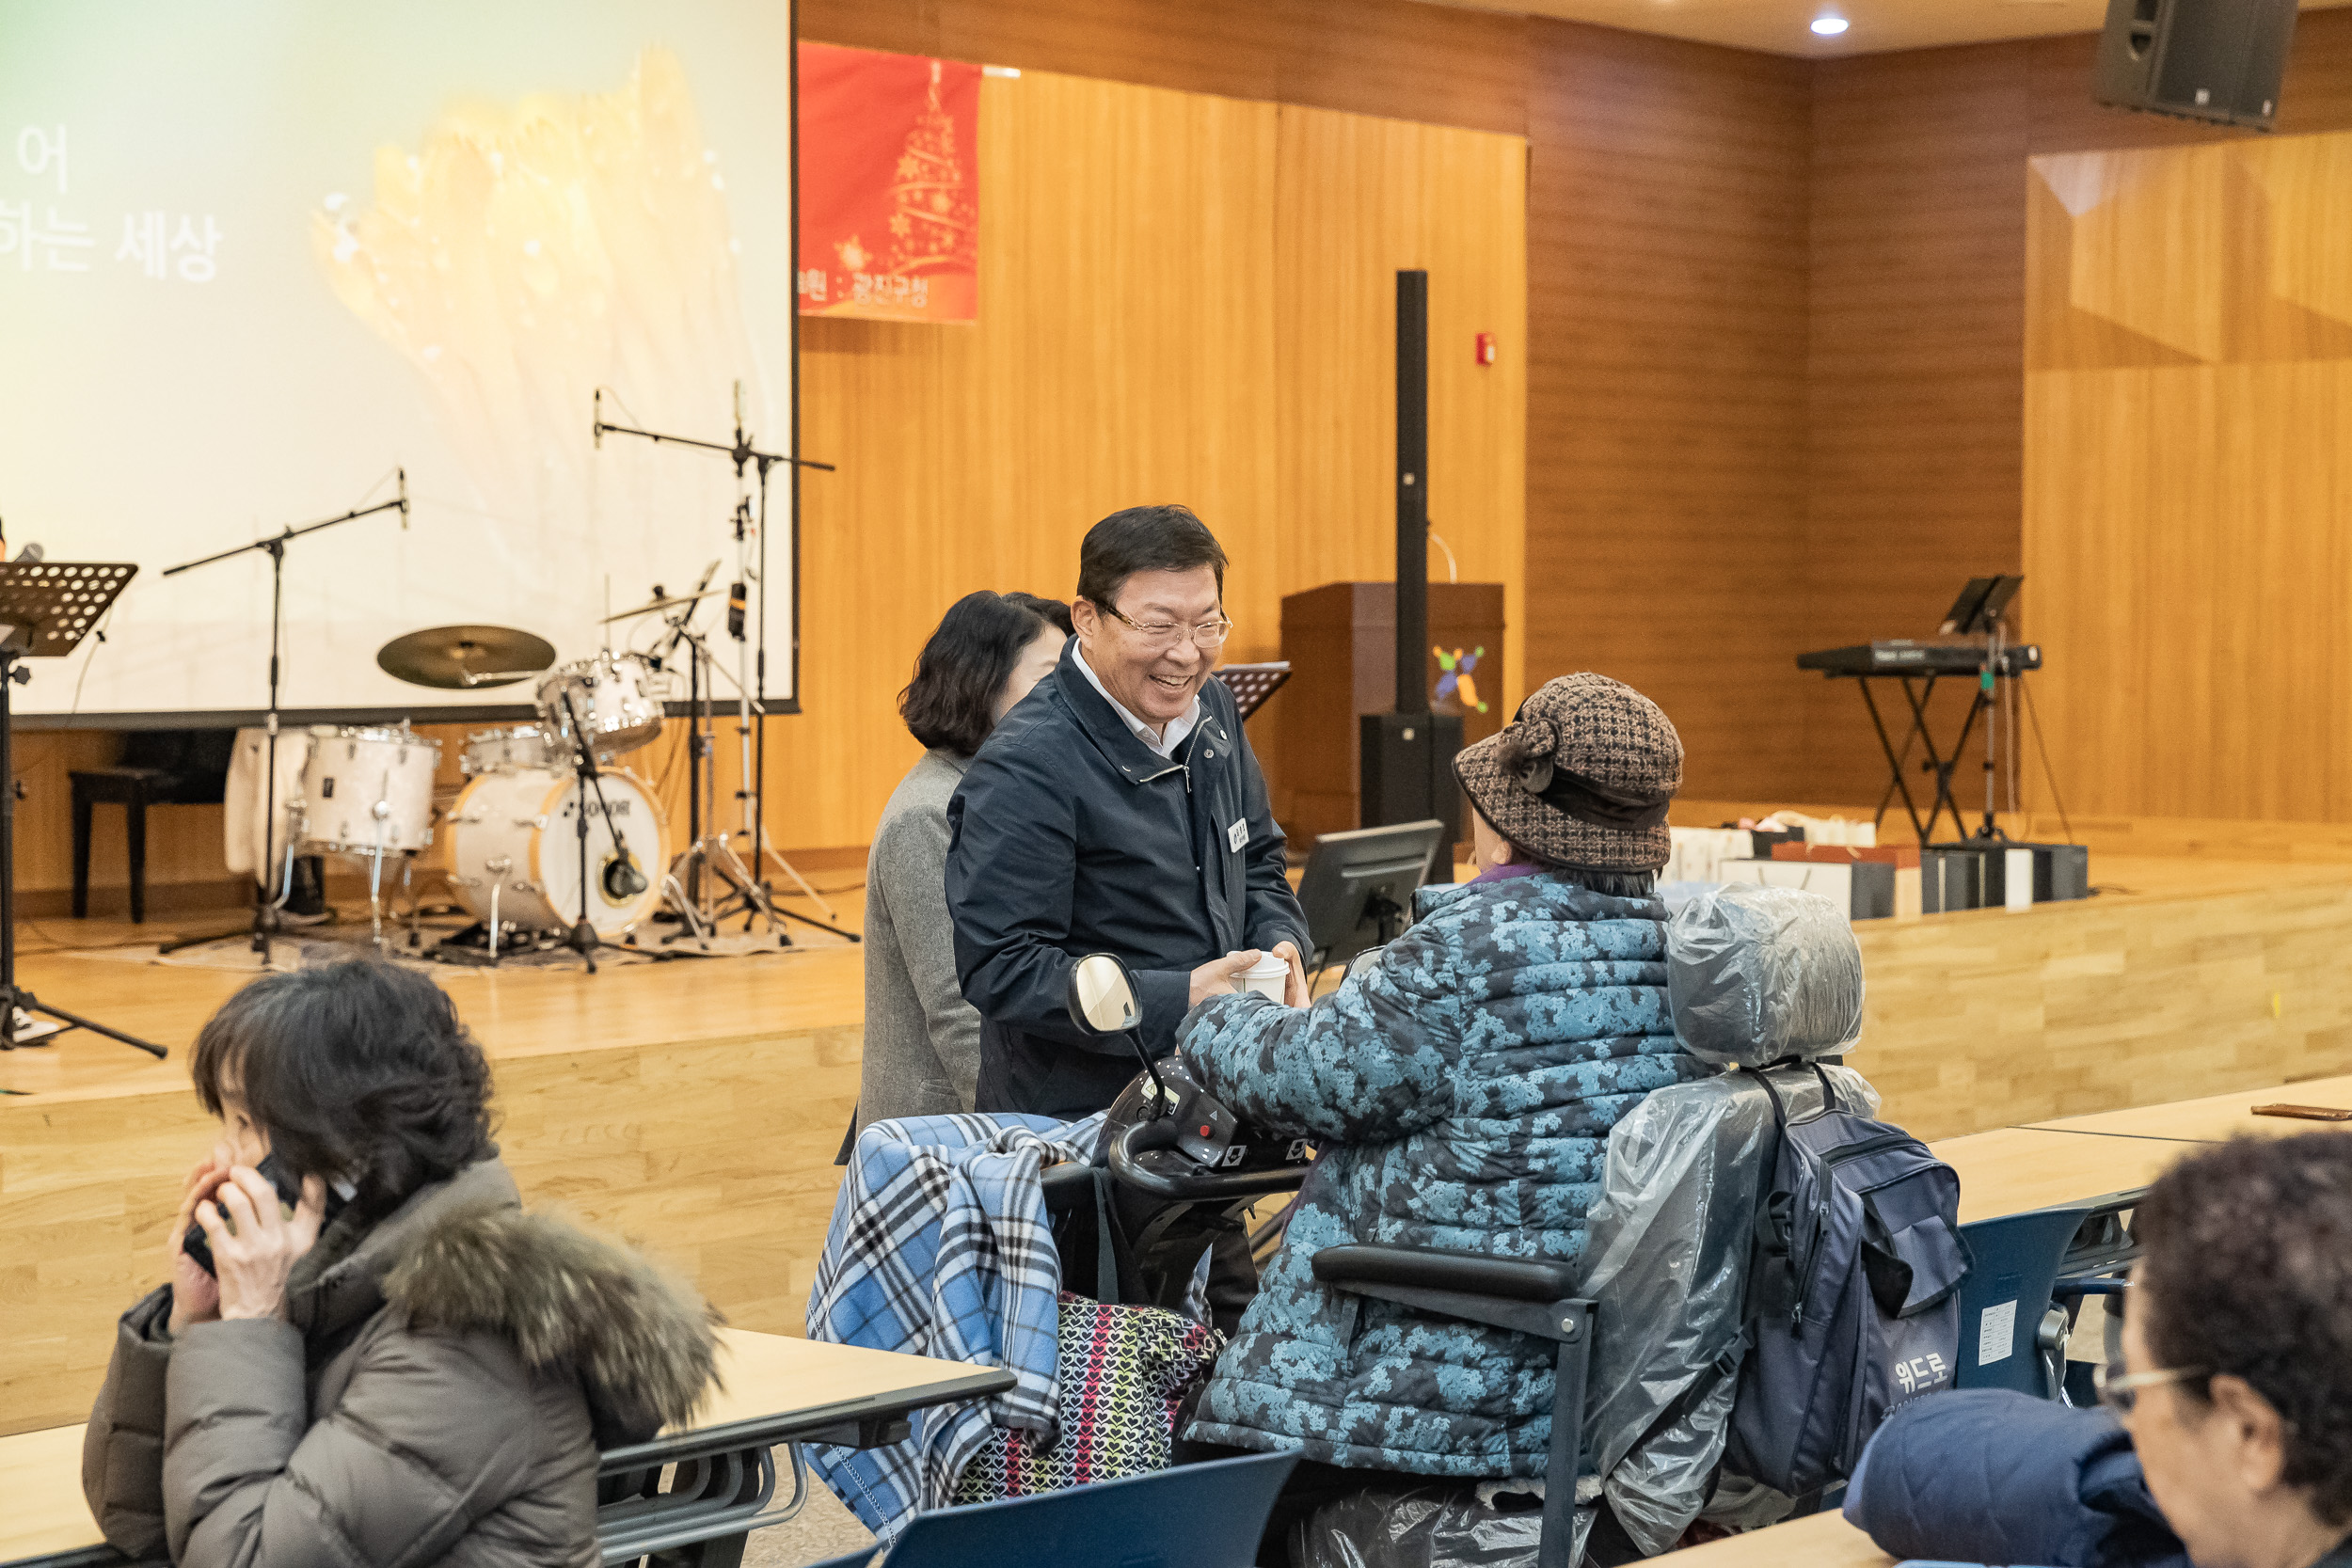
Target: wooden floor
{"points": [[697, 1106]]}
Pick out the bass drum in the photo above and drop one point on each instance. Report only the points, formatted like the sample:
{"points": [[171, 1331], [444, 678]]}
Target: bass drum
{"points": [[515, 850]]}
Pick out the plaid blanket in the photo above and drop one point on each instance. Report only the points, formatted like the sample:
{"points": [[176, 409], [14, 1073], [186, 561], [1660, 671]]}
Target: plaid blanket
{"points": [[940, 1245]]}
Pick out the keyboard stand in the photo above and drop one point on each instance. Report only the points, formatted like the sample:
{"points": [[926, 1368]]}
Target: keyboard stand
{"points": [[1918, 691]]}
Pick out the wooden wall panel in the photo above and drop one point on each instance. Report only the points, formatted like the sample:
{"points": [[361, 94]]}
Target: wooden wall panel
{"points": [[2188, 396], [1184, 298], [1124, 353], [1917, 345], [1666, 401], [1356, 199], [1440, 64]]}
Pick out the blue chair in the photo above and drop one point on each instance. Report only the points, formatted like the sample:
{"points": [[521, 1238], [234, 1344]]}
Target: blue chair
{"points": [[1205, 1515], [2024, 1292]]}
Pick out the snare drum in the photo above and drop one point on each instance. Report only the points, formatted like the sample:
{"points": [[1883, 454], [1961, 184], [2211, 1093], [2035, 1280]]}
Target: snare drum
{"points": [[367, 790], [514, 850], [514, 745], [612, 696]]}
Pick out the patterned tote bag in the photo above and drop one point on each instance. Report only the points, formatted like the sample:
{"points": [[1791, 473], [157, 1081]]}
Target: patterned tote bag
{"points": [[1125, 1370]]}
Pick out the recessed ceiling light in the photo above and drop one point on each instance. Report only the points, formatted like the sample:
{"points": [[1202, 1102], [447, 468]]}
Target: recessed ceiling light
{"points": [[1828, 26]]}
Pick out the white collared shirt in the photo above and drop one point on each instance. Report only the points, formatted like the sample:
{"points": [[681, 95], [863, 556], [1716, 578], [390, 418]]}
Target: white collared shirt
{"points": [[1163, 744]]}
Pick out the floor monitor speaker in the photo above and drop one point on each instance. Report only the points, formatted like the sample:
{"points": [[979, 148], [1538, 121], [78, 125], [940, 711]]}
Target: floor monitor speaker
{"points": [[2219, 61]]}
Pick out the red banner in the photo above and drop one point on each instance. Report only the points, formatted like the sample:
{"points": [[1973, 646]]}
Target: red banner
{"points": [[889, 186]]}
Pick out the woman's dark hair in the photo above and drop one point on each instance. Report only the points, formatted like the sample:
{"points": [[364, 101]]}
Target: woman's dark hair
{"points": [[2248, 1270], [358, 1069], [951, 702], [1144, 539]]}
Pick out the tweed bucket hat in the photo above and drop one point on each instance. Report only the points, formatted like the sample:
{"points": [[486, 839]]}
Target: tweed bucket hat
{"points": [[1580, 776]]}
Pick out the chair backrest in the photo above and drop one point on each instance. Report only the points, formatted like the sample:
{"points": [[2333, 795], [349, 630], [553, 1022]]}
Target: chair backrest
{"points": [[1193, 1516], [2020, 1260], [2006, 1296]]}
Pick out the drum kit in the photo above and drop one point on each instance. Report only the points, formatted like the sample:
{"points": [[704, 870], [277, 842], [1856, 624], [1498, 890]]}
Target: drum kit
{"points": [[549, 835], [369, 791]]}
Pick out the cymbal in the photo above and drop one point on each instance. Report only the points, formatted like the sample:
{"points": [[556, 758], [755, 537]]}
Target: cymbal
{"points": [[656, 606], [460, 658]]}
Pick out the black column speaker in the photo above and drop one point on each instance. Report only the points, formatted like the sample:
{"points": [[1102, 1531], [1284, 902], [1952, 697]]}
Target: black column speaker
{"points": [[1406, 772], [2219, 60]]}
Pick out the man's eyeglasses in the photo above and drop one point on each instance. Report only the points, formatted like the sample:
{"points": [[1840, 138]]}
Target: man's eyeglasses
{"points": [[1209, 635]]}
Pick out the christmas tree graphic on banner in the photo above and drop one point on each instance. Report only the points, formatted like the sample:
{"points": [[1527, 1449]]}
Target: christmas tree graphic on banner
{"points": [[890, 222]]}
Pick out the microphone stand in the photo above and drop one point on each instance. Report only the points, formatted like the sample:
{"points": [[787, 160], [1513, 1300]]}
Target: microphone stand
{"points": [[266, 910], [583, 938], [724, 864], [743, 455]]}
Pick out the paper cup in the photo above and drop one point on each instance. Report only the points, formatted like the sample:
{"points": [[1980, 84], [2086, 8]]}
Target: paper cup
{"points": [[1269, 978]]}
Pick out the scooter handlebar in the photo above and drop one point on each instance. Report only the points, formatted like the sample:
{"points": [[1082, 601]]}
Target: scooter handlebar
{"points": [[1207, 1187]]}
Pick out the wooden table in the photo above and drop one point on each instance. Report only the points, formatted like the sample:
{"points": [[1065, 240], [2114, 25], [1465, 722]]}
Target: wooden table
{"points": [[2221, 1116], [1817, 1541], [2018, 1168], [775, 1391]]}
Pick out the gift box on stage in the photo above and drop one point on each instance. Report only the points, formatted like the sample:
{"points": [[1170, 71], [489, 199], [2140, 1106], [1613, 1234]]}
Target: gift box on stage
{"points": [[2000, 874], [1864, 889]]}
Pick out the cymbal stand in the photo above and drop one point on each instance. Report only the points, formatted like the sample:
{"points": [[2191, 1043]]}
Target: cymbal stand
{"points": [[744, 455], [266, 909]]}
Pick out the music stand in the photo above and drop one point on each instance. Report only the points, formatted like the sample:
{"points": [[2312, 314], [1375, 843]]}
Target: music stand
{"points": [[1980, 606], [46, 609], [1252, 683]]}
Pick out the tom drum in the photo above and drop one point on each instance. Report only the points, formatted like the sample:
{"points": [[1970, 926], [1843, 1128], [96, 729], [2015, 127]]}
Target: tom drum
{"points": [[366, 791]]}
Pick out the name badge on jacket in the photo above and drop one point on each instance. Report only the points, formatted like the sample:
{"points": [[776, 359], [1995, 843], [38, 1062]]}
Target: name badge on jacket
{"points": [[1238, 835]]}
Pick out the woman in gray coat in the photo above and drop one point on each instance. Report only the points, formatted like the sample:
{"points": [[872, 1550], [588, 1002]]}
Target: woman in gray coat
{"points": [[400, 1366], [922, 1037]]}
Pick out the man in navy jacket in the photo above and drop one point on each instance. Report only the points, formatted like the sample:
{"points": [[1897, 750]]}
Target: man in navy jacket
{"points": [[1117, 809]]}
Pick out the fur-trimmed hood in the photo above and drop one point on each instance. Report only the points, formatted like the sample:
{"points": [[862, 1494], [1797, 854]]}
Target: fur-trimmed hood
{"points": [[641, 1340], [463, 1255]]}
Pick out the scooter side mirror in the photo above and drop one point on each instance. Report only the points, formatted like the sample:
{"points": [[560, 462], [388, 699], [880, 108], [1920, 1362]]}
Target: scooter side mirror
{"points": [[1103, 996]]}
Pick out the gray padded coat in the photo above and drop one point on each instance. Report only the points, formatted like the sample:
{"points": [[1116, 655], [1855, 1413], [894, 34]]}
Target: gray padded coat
{"points": [[437, 1395]]}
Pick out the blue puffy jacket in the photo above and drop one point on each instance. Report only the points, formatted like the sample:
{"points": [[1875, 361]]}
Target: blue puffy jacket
{"points": [[1988, 1475], [1462, 1090]]}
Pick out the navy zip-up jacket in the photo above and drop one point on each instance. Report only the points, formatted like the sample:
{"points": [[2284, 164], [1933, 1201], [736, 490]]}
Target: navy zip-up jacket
{"points": [[1069, 836]]}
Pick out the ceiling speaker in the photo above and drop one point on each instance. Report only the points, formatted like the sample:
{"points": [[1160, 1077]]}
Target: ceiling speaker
{"points": [[2217, 60]]}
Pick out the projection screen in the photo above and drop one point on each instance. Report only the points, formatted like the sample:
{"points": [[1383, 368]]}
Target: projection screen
{"points": [[257, 256]]}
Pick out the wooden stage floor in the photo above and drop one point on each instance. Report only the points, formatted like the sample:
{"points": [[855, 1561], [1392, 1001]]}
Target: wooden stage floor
{"points": [[696, 1107]]}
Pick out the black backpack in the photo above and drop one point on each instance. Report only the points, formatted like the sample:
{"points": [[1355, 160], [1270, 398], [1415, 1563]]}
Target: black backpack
{"points": [[1853, 1293]]}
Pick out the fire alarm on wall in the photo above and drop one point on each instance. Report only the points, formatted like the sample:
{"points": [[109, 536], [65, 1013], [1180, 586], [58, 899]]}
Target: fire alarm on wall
{"points": [[1485, 348]]}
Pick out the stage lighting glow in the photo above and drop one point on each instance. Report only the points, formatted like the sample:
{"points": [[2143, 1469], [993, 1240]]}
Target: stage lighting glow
{"points": [[1828, 26]]}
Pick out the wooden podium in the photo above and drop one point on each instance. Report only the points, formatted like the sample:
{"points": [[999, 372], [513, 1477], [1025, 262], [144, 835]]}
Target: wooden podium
{"points": [[1341, 641]]}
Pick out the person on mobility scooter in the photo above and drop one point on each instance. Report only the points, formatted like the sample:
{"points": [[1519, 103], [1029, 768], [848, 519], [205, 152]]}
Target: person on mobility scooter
{"points": [[1460, 1091]]}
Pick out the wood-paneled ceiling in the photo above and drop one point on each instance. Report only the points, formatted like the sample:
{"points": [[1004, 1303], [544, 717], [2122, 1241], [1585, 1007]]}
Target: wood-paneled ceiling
{"points": [[1785, 27]]}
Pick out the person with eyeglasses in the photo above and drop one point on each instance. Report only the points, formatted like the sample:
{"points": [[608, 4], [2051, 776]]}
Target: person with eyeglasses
{"points": [[1117, 809], [2226, 1436]]}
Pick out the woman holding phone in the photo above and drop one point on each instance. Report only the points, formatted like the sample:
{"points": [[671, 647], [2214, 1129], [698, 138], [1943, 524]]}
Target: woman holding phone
{"points": [[371, 1350]]}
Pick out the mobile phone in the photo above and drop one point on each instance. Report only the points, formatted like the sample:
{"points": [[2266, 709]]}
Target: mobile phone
{"points": [[200, 1248], [2305, 1113]]}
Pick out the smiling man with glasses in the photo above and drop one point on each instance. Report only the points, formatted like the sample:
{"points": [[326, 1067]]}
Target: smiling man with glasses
{"points": [[1118, 809]]}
